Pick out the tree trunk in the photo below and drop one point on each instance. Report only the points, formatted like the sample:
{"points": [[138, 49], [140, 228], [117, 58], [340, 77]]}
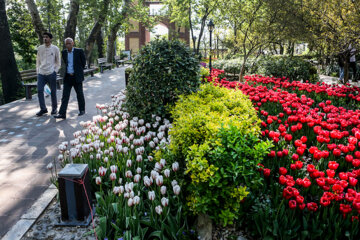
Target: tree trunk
{"points": [[89, 45], [281, 49], [9, 72], [100, 44], [111, 42], [346, 71], [70, 29], [36, 20], [241, 75], [114, 30]]}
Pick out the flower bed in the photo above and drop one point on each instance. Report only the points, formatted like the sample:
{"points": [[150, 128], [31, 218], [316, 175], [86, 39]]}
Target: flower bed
{"points": [[137, 197], [341, 95], [314, 165]]}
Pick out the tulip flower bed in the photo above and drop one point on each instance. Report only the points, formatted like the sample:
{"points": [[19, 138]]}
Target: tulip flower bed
{"points": [[138, 197], [344, 95], [313, 167]]}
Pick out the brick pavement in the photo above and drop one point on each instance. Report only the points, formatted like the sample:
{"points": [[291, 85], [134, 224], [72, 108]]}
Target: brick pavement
{"points": [[28, 143]]}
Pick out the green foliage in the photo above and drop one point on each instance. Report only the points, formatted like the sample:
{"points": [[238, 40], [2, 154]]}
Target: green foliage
{"points": [[162, 71], [216, 131], [291, 67], [22, 33]]}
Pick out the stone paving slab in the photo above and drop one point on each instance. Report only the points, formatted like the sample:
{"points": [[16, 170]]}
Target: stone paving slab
{"points": [[28, 143]]}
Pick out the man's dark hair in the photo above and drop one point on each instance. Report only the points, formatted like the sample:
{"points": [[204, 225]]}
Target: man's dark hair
{"points": [[48, 34]]}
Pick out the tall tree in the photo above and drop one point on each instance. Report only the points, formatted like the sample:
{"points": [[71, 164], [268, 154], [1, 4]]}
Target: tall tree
{"points": [[252, 26], [36, 19], [89, 45], [120, 20], [334, 26], [9, 72], [70, 29], [192, 14], [22, 33]]}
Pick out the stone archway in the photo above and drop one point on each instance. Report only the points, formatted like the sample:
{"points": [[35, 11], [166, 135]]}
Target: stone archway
{"points": [[138, 35]]}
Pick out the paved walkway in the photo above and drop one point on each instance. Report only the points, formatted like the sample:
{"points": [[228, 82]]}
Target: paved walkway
{"points": [[28, 143]]}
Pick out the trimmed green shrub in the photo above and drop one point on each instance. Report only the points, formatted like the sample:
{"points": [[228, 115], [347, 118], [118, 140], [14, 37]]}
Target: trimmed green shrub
{"points": [[294, 68], [162, 71], [215, 134]]}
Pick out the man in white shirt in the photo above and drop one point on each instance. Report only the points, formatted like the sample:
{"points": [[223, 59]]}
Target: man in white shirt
{"points": [[47, 65]]}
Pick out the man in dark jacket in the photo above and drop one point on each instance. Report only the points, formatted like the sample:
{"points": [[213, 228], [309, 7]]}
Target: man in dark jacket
{"points": [[75, 61]]}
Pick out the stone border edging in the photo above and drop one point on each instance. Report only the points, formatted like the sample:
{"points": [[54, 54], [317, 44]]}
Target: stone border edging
{"points": [[31, 215]]}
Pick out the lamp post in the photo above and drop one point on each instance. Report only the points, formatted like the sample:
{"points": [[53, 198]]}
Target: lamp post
{"points": [[211, 28]]}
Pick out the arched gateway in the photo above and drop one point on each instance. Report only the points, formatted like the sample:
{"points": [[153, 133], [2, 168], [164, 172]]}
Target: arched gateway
{"points": [[138, 35]]}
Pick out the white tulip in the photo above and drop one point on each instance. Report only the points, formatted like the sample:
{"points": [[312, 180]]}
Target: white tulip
{"points": [[167, 173], [151, 195], [163, 190], [164, 202], [176, 189], [158, 210]]}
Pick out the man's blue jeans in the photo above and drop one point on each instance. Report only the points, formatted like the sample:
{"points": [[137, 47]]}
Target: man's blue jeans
{"points": [[51, 80]]}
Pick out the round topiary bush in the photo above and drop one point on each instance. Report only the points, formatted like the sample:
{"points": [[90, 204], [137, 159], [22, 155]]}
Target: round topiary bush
{"points": [[162, 71]]}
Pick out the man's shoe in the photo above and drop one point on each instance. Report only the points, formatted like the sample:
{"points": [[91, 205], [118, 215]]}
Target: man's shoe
{"points": [[54, 112], [41, 112], [59, 116], [81, 113]]}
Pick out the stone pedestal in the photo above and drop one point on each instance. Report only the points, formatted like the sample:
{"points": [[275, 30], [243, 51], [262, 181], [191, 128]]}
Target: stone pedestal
{"points": [[74, 202]]}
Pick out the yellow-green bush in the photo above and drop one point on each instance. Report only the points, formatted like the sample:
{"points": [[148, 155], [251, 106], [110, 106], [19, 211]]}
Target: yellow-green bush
{"points": [[215, 132], [199, 116]]}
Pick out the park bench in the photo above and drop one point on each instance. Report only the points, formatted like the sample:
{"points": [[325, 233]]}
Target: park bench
{"points": [[119, 61], [103, 64], [89, 70], [29, 75]]}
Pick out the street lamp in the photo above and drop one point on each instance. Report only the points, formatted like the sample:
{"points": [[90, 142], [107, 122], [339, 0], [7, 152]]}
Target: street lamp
{"points": [[211, 28]]}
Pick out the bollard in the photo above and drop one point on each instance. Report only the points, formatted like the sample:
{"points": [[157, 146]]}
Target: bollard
{"points": [[74, 201]]}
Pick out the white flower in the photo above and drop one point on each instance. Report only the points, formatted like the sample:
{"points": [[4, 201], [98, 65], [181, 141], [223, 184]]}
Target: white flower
{"points": [[125, 150], [106, 159], [102, 171], [175, 166], [158, 167], [154, 174], [147, 181], [162, 162], [113, 176], [121, 189], [139, 158], [174, 182], [60, 157], [164, 201], [151, 144], [137, 178], [163, 190], [151, 195], [49, 166], [159, 180], [158, 210], [128, 163], [136, 200], [116, 190], [148, 125], [98, 180], [120, 180], [150, 158], [128, 174], [138, 170], [113, 168], [141, 121], [130, 202], [176, 189], [167, 173]]}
